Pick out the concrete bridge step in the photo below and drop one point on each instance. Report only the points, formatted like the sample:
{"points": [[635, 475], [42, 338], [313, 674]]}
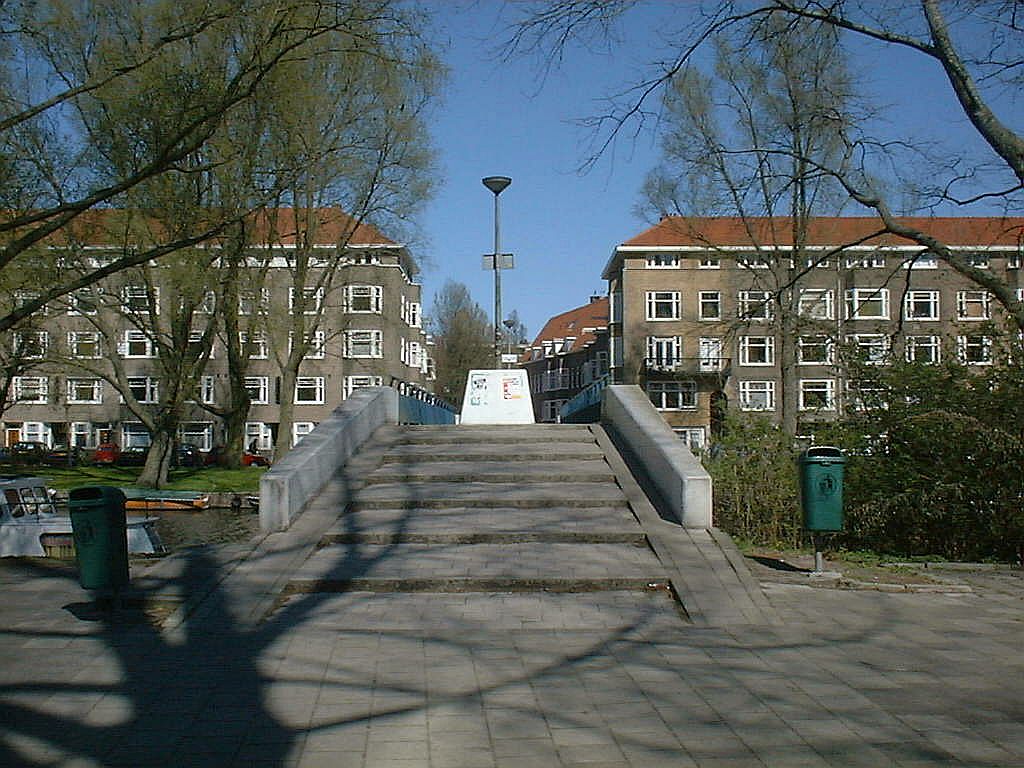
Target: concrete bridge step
{"points": [[571, 470], [463, 435], [607, 525], [494, 451], [529, 567], [425, 495]]}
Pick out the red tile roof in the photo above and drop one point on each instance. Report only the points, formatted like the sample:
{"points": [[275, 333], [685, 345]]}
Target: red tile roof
{"points": [[576, 323], [737, 231]]}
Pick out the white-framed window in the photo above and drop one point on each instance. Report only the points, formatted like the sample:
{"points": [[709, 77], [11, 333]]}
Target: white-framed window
{"points": [[867, 303], [258, 388], [23, 296], [973, 305], [977, 260], [85, 345], [140, 299], [754, 305], [257, 343], [923, 349], [710, 305], [672, 395], [352, 383], [664, 351], [413, 314], [35, 432], [921, 305], [364, 299], [694, 437], [415, 354], [819, 262], [754, 261], [312, 299], [197, 345], [1013, 260], [254, 302], [816, 303], [258, 436], [85, 390], [815, 349], [31, 390], [197, 433], [208, 304], [974, 349], [134, 435], [923, 260], [872, 348], [364, 344], [817, 394], [709, 353], [709, 262], [317, 345], [757, 350], [663, 305], [865, 261], [82, 434], [300, 429], [137, 344], [309, 390], [31, 345], [208, 390], [145, 389], [757, 395], [84, 301], [662, 261]]}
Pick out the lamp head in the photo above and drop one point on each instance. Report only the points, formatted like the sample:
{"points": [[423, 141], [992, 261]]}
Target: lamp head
{"points": [[496, 183]]}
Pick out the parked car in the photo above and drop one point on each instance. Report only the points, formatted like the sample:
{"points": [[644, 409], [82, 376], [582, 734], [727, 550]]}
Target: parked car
{"points": [[186, 455], [63, 456], [28, 452], [106, 453], [249, 458], [133, 457]]}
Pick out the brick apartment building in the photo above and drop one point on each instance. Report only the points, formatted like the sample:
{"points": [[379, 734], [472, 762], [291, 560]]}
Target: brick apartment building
{"points": [[570, 352], [715, 312], [370, 332]]}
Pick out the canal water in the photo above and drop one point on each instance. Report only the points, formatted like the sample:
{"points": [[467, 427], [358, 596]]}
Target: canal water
{"points": [[217, 525]]}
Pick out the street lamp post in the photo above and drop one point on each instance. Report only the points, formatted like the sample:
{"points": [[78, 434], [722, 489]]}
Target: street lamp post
{"points": [[497, 184]]}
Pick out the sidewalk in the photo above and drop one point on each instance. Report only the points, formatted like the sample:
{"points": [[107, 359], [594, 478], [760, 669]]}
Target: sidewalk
{"points": [[605, 679]]}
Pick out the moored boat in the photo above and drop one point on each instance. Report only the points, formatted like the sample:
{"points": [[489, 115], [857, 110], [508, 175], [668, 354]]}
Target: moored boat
{"points": [[28, 513]]}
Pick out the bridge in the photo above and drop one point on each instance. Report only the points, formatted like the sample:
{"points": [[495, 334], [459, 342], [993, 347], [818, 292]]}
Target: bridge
{"points": [[391, 497]]}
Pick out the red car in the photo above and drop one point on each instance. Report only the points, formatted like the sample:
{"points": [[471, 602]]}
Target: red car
{"points": [[249, 459], [106, 453]]}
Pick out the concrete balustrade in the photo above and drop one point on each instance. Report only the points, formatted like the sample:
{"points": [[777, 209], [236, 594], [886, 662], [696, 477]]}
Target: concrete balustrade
{"points": [[677, 474], [293, 481]]}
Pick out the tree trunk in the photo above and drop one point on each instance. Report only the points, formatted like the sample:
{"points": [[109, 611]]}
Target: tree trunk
{"points": [[158, 462], [286, 413]]}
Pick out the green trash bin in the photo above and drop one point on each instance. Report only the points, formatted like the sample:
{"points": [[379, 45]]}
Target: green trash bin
{"points": [[821, 488], [101, 537]]}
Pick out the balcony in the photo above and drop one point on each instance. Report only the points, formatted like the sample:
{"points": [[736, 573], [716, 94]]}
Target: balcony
{"points": [[716, 368]]}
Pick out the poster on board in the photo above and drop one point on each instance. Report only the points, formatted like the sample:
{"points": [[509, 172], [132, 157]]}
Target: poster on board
{"points": [[497, 397]]}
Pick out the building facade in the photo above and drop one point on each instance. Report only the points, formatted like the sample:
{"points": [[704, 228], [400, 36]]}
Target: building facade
{"points": [[90, 359], [713, 313], [569, 353]]}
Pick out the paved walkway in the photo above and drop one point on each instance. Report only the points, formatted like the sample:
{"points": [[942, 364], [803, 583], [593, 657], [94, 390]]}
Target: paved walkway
{"points": [[247, 675]]}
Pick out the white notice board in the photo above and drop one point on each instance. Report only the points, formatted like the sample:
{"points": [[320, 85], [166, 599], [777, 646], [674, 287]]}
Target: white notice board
{"points": [[497, 397]]}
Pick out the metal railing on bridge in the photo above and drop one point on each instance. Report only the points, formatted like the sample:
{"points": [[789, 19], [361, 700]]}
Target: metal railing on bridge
{"points": [[585, 407], [418, 406]]}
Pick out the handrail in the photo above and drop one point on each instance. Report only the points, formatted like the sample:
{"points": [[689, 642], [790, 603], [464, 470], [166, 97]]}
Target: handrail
{"points": [[589, 396]]}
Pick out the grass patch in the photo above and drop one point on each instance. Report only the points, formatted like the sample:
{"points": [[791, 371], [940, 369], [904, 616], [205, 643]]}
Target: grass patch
{"points": [[212, 479]]}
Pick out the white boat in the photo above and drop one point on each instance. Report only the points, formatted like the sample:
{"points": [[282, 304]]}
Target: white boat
{"points": [[28, 513]]}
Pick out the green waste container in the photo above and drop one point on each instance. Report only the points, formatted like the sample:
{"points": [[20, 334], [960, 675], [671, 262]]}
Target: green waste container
{"points": [[101, 537], [821, 488]]}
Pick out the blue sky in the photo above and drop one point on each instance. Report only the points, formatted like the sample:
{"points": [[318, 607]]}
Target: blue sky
{"points": [[500, 118]]}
